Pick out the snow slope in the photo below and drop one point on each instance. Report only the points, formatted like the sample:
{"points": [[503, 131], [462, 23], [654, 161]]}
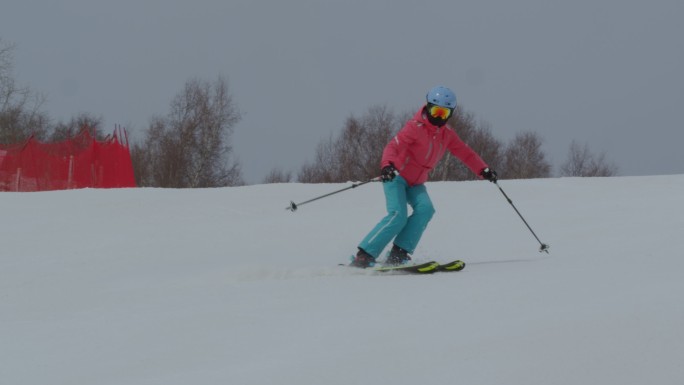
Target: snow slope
{"points": [[224, 286]]}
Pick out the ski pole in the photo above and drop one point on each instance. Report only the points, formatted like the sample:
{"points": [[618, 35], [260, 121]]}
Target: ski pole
{"points": [[293, 206], [543, 247]]}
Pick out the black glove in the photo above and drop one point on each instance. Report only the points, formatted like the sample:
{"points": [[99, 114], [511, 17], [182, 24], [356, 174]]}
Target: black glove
{"points": [[489, 174], [388, 173]]}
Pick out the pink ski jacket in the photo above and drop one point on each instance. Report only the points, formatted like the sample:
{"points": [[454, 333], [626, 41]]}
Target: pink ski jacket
{"points": [[419, 145]]}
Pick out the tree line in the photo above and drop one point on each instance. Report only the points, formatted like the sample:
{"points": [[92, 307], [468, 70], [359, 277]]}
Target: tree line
{"points": [[355, 153], [191, 146]]}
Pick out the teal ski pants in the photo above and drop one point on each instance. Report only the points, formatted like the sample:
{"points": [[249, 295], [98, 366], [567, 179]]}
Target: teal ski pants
{"points": [[398, 225]]}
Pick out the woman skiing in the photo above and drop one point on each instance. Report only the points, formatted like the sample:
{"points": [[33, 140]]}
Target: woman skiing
{"points": [[406, 162]]}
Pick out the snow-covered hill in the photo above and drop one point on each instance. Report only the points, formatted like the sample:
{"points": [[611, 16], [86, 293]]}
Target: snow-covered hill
{"points": [[224, 286]]}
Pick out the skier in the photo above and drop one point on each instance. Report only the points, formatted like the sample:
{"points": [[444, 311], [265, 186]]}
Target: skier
{"points": [[406, 162]]}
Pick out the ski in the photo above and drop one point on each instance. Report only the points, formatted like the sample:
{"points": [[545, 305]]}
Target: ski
{"points": [[456, 265], [424, 268], [421, 268]]}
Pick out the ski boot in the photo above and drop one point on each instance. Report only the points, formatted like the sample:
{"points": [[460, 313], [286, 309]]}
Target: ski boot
{"points": [[363, 260], [397, 256]]}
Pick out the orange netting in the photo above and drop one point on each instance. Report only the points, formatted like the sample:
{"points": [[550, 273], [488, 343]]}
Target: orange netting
{"points": [[75, 163]]}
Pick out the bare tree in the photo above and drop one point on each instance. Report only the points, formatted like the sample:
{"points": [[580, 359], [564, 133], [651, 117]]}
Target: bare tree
{"points": [[141, 169], [479, 137], [278, 176], [157, 162], [524, 159], [324, 167], [64, 131], [356, 153], [20, 114], [191, 147], [361, 143], [581, 162]]}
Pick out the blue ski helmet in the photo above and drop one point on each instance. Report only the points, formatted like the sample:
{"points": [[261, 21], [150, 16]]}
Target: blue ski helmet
{"points": [[442, 97]]}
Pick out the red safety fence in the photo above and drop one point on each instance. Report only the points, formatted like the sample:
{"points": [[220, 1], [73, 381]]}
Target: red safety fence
{"points": [[78, 162]]}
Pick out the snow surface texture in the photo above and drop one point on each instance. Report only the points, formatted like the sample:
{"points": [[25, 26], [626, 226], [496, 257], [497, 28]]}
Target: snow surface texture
{"points": [[225, 286]]}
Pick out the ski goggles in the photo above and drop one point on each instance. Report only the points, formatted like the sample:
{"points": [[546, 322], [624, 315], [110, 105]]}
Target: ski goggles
{"points": [[439, 112]]}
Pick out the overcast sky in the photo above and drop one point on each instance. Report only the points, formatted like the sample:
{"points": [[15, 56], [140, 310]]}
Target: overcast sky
{"points": [[604, 72]]}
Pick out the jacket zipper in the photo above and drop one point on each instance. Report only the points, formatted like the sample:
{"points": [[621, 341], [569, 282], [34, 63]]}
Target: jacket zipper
{"points": [[429, 151]]}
